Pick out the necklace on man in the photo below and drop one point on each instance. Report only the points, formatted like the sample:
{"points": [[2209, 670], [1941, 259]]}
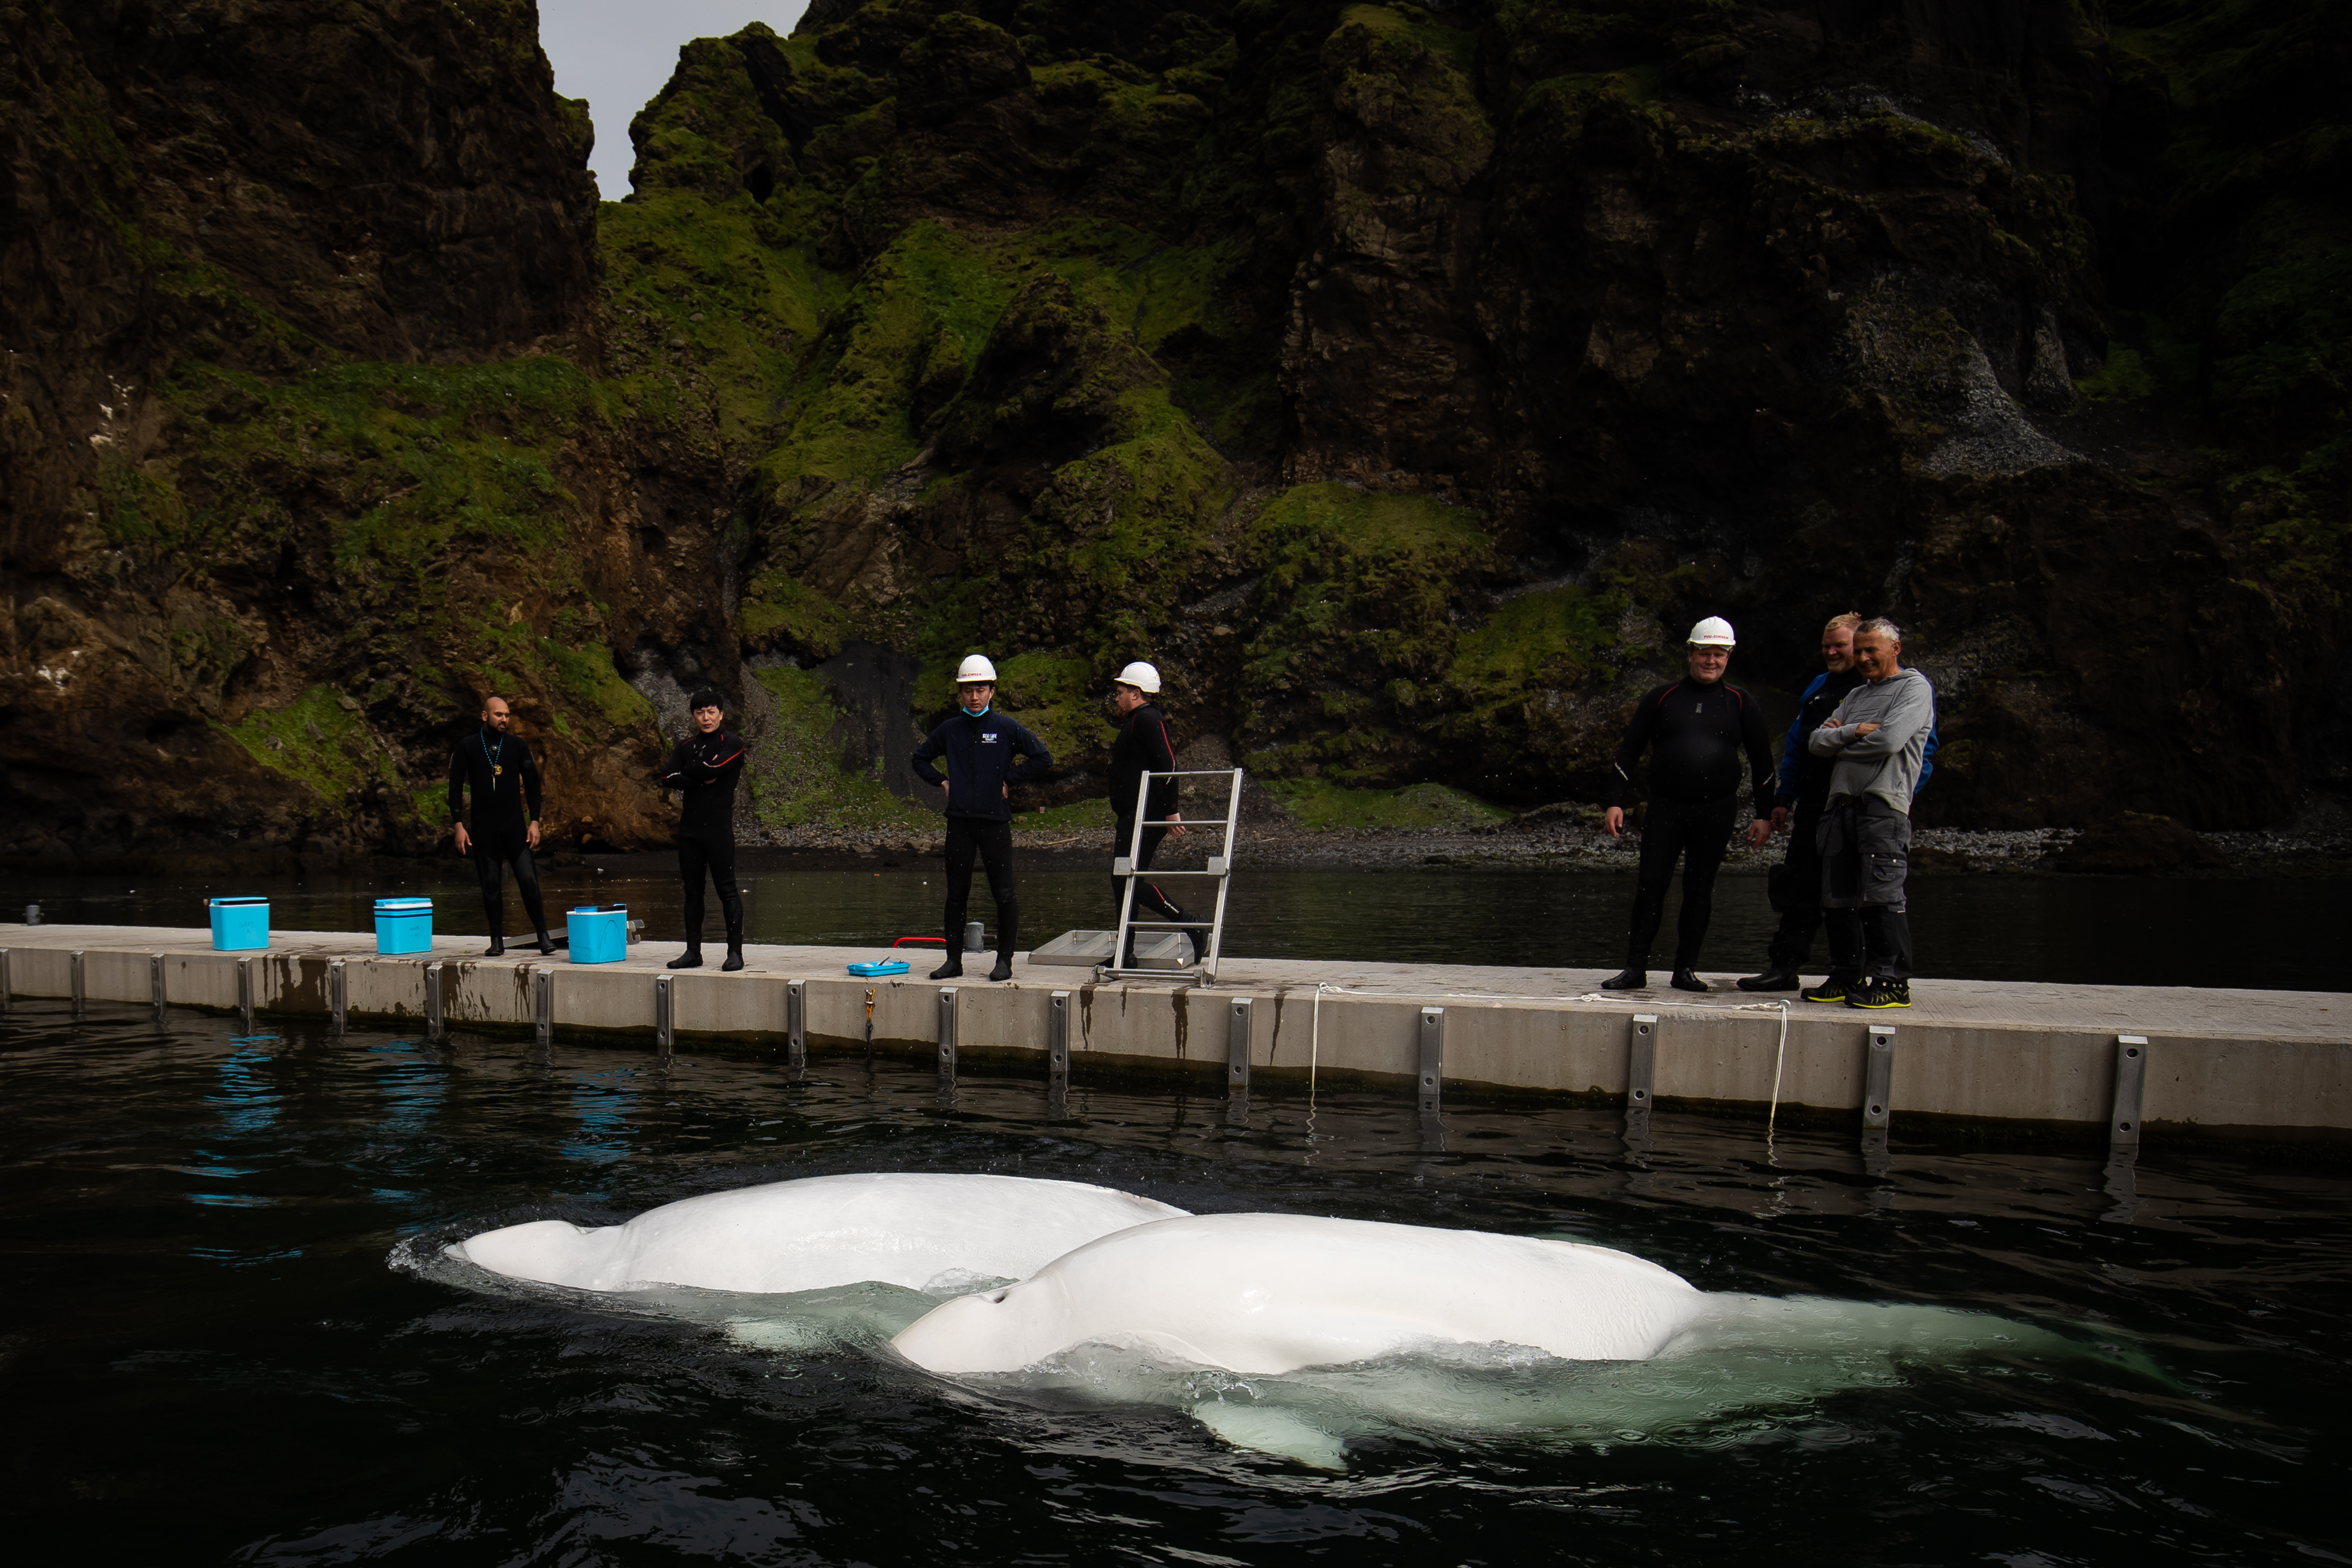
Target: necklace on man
{"points": [[492, 757]]}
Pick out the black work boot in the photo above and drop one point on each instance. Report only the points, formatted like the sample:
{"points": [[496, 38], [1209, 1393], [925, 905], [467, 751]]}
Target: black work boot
{"points": [[1686, 979], [1632, 979], [733, 910], [1004, 970], [1772, 980], [951, 969], [690, 958]]}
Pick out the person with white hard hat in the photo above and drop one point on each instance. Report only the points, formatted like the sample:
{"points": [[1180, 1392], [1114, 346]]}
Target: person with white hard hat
{"points": [[978, 745], [1143, 747], [1695, 730]]}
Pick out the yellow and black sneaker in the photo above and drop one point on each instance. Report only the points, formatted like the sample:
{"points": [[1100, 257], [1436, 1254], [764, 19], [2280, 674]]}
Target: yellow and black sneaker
{"points": [[1834, 989], [1881, 994]]}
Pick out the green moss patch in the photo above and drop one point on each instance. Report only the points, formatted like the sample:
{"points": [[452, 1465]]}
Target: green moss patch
{"points": [[797, 777], [316, 743]]}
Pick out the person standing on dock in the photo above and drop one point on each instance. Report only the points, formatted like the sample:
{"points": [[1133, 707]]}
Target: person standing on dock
{"points": [[703, 769], [1797, 805], [1696, 730], [1143, 747], [1876, 741], [978, 745], [497, 765]]}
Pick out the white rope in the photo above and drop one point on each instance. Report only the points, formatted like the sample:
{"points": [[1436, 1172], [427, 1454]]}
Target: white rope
{"points": [[1315, 1042], [1779, 1059]]}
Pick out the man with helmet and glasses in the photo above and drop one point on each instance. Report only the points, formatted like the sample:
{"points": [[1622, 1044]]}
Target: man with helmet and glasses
{"points": [[1696, 730], [978, 745]]}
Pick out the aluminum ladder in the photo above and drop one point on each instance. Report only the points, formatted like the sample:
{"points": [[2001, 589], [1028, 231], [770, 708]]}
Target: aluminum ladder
{"points": [[1220, 867]]}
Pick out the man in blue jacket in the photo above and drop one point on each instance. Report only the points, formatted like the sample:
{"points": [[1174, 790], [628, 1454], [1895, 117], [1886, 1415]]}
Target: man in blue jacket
{"points": [[978, 745]]}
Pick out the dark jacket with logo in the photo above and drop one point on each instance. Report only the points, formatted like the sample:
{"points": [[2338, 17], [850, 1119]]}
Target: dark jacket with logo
{"points": [[979, 754]]}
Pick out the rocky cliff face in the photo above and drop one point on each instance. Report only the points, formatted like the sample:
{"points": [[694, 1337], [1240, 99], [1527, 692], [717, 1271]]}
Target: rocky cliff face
{"points": [[1401, 381]]}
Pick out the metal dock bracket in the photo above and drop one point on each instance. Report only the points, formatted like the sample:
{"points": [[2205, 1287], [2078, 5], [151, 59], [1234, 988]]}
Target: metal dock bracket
{"points": [[3, 980], [542, 1003], [1878, 1077], [435, 1019], [947, 994], [665, 1030], [796, 1023], [1057, 1038], [1641, 1062], [337, 992], [245, 991], [1433, 1056], [78, 987], [2131, 1082], [1238, 1044], [155, 983]]}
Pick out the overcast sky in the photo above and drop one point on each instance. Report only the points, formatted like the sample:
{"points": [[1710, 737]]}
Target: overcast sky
{"points": [[617, 53]]}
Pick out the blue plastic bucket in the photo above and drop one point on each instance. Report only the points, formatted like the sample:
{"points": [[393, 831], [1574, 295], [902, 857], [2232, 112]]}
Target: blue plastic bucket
{"points": [[239, 923], [598, 935], [403, 925]]}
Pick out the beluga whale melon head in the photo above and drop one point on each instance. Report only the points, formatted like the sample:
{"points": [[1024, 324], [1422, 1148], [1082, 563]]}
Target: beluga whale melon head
{"points": [[1269, 1293], [918, 1229]]}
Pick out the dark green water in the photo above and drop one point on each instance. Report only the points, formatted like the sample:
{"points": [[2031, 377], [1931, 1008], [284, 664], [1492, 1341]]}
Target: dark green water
{"points": [[2277, 934], [208, 1358]]}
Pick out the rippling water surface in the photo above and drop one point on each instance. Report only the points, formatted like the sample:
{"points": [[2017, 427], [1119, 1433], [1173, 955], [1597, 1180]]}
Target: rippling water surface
{"points": [[210, 1357]]}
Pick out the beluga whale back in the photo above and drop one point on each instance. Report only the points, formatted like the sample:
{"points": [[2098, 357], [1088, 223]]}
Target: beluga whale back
{"points": [[918, 1229], [1268, 1293]]}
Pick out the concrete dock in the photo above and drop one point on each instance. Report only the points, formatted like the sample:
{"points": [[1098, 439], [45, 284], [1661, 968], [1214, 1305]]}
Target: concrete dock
{"points": [[2119, 1056]]}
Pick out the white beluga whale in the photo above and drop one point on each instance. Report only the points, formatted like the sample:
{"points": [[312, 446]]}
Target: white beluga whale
{"points": [[932, 1233], [1270, 1293]]}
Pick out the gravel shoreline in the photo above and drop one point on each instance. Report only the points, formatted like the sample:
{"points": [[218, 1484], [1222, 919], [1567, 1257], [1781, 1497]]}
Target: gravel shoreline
{"points": [[2317, 843]]}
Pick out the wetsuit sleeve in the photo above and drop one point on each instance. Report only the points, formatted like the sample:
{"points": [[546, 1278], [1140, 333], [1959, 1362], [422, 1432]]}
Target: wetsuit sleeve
{"points": [[673, 774], [1637, 741], [1792, 748], [1752, 735], [1035, 762], [1928, 760], [530, 787], [1914, 711], [458, 786], [927, 755]]}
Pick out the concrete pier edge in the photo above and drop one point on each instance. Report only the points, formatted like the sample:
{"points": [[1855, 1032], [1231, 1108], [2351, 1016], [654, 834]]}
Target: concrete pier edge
{"points": [[2266, 1065]]}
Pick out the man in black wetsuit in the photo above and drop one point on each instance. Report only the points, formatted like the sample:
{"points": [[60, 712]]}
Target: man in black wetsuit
{"points": [[978, 745], [1804, 792], [1695, 730], [500, 767], [703, 769], [1143, 747]]}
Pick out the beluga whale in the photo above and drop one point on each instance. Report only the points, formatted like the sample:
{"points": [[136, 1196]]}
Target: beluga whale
{"points": [[1270, 1293], [935, 1233]]}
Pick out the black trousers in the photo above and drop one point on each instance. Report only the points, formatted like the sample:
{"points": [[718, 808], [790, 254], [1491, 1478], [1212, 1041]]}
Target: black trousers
{"points": [[1149, 901], [712, 853], [492, 855], [1698, 833], [1866, 847], [992, 843], [1797, 891]]}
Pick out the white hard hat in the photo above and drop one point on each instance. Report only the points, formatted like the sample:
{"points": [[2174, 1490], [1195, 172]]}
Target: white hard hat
{"points": [[1141, 676], [1713, 632], [975, 669]]}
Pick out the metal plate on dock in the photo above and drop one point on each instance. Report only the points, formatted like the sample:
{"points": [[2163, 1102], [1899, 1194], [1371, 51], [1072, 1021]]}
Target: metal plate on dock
{"points": [[1086, 948]]}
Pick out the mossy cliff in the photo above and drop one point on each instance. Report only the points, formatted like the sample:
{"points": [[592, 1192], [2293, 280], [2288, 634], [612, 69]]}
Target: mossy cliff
{"points": [[1400, 381]]}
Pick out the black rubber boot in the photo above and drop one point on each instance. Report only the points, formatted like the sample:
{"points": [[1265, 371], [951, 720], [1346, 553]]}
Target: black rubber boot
{"points": [[1686, 980], [546, 944], [1004, 970], [1631, 980], [1775, 980], [951, 969], [734, 957], [732, 907], [497, 948], [690, 958]]}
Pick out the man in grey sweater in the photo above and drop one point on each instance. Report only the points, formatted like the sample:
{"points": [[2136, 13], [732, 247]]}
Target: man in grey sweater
{"points": [[1878, 736]]}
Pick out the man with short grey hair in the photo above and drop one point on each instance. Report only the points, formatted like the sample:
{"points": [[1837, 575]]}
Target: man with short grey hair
{"points": [[1878, 740]]}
